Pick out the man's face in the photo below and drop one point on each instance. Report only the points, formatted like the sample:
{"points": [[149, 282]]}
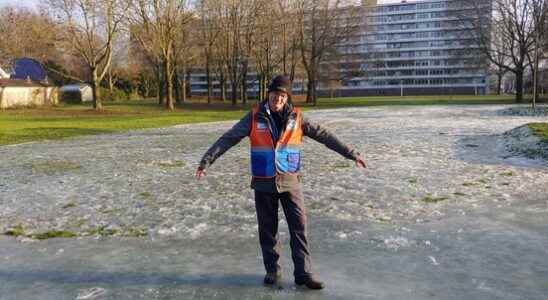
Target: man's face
{"points": [[277, 100]]}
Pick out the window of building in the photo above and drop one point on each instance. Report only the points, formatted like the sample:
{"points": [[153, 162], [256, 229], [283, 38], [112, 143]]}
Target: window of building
{"points": [[438, 5], [408, 82], [422, 35], [436, 72], [436, 81]]}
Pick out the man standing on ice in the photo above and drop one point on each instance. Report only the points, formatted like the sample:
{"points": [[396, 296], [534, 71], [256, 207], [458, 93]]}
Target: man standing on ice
{"points": [[275, 129]]}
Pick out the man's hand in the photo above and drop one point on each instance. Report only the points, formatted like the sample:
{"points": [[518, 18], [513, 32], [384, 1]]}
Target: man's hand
{"points": [[360, 163], [200, 173]]}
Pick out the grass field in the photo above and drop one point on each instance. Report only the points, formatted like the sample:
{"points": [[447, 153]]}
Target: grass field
{"points": [[34, 124], [414, 100], [540, 130]]}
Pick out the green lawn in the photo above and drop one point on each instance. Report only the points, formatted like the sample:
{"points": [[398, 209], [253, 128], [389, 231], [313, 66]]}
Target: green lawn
{"points": [[24, 125], [540, 130], [33, 124], [414, 100]]}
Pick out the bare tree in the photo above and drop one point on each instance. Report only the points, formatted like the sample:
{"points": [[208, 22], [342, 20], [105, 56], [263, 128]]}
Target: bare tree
{"points": [[160, 23], [275, 46], [324, 24], [515, 23], [145, 53], [186, 53], [540, 16], [26, 34], [500, 56], [91, 27], [231, 21], [248, 38], [264, 50], [209, 33]]}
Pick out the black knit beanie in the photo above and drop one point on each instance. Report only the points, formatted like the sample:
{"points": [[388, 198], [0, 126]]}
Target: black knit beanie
{"points": [[280, 83]]}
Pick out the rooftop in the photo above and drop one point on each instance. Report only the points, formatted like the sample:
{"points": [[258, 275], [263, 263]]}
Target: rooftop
{"points": [[5, 82]]}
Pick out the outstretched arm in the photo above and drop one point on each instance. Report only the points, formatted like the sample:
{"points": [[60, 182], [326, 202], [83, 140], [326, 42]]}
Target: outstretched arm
{"points": [[322, 135], [225, 142]]}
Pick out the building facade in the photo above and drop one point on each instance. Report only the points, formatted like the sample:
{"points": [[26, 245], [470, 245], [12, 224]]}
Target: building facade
{"points": [[198, 85], [407, 48], [413, 48]]}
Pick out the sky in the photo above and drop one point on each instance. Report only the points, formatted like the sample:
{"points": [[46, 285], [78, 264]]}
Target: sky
{"points": [[28, 3], [33, 3]]}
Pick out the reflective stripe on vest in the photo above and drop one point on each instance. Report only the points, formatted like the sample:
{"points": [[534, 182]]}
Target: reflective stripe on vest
{"points": [[267, 160]]}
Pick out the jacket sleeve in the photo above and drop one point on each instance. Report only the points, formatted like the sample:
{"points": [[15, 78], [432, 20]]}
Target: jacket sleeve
{"points": [[322, 135], [226, 141]]}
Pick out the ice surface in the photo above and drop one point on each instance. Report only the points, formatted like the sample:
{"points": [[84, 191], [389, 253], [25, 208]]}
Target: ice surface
{"points": [[443, 211]]}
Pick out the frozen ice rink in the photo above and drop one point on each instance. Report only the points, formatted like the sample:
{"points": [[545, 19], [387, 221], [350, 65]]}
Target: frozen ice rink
{"points": [[443, 211]]}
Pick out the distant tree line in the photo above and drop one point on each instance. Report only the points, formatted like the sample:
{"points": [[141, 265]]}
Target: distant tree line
{"points": [[150, 47]]}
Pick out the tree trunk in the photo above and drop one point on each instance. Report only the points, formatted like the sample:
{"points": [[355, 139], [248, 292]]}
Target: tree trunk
{"points": [[208, 79], [535, 72], [177, 88], [244, 83], [519, 85], [110, 84], [499, 83], [265, 87], [314, 92], [97, 104], [309, 89], [169, 84], [160, 92], [222, 86], [183, 84], [186, 84], [261, 87], [145, 87], [234, 86]]}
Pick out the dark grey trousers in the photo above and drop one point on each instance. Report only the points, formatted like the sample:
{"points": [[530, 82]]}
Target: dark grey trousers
{"points": [[267, 216]]}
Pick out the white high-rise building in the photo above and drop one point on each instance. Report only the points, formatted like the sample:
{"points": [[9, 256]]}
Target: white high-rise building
{"points": [[407, 48], [412, 48]]}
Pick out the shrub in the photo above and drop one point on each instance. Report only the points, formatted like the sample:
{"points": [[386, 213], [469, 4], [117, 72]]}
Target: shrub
{"points": [[116, 95]]}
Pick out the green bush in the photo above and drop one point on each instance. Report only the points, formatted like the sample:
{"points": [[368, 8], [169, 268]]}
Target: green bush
{"points": [[116, 95]]}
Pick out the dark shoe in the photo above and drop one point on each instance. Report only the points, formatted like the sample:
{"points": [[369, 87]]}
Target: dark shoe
{"points": [[310, 283], [272, 278]]}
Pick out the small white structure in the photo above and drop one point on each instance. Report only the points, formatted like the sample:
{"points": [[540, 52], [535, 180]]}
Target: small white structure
{"points": [[20, 93], [4, 75], [76, 93]]}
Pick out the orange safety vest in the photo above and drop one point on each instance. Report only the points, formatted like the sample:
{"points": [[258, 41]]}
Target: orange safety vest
{"points": [[268, 160]]}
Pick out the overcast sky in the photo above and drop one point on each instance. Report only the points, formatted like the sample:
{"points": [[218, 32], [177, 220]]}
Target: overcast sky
{"points": [[32, 3], [29, 3]]}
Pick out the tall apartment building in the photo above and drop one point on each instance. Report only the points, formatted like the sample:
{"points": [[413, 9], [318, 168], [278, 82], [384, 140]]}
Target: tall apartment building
{"points": [[406, 48], [413, 48]]}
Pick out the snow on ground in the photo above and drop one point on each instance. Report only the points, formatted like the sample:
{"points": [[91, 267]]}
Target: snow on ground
{"points": [[443, 211]]}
